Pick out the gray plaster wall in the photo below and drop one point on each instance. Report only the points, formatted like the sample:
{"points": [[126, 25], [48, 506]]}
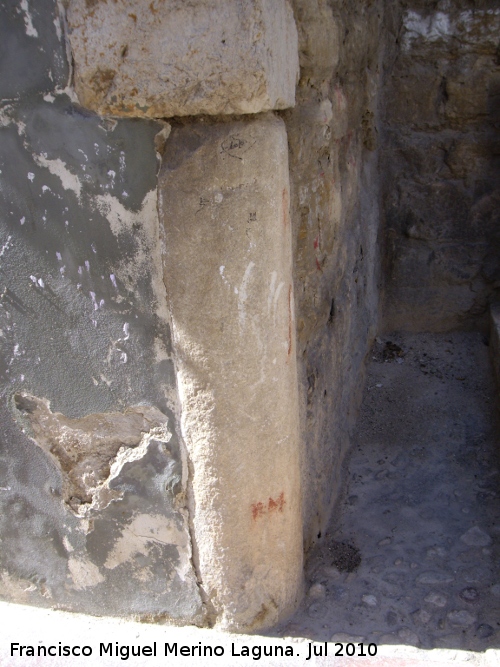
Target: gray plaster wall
{"points": [[92, 474]]}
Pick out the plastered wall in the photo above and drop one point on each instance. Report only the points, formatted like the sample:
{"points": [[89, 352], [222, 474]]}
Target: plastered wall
{"points": [[93, 474]]}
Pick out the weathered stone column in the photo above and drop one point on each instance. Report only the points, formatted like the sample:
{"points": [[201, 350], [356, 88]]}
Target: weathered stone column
{"points": [[224, 205]]}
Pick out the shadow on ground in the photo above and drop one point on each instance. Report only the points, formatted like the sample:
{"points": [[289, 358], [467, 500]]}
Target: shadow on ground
{"points": [[413, 557]]}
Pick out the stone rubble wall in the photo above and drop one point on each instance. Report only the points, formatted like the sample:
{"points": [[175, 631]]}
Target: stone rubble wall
{"points": [[440, 165], [333, 144]]}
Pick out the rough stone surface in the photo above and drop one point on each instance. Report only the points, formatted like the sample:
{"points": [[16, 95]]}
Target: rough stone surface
{"points": [[92, 475], [176, 58], [334, 188], [224, 205], [440, 165]]}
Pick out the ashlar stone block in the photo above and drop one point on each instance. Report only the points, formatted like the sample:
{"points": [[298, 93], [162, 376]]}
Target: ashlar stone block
{"points": [[165, 58], [224, 205]]}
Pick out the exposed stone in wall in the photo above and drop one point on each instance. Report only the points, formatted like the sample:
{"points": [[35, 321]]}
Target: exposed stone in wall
{"points": [[83, 325], [441, 165], [88, 449], [334, 183], [224, 204], [161, 59]]}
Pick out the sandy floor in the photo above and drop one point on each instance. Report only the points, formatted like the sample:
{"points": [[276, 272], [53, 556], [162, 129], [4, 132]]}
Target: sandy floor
{"points": [[413, 557]]}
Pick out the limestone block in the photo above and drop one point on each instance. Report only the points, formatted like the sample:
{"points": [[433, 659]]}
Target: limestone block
{"points": [[224, 204], [177, 58]]}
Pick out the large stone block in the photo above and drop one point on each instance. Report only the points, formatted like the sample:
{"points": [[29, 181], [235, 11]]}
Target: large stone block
{"points": [[224, 204], [177, 58]]}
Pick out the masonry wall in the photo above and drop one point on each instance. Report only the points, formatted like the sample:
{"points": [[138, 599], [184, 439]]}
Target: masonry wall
{"points": [[334, 145], [440, 164], [144, 474]]}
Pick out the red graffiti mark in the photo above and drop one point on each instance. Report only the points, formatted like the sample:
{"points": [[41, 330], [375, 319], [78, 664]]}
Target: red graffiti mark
{"points": [[276, 505], [273, 505], [290, 328], [286, 205], [258, 509], [318, 265], [316, 243]]}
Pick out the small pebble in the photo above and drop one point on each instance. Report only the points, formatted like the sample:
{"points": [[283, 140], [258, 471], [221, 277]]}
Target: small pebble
{"points": [[436, 599], [449, 641], [408, 636], [495, 590], [461, 618], [331, 572], [398, 561], [316, 610], [475, 537], [369, 600], [434, 578], [385, 541], [436, 551], [391, 618], [421, 617], [344, 638], [317, 591], [484, 631], [469, 594]]}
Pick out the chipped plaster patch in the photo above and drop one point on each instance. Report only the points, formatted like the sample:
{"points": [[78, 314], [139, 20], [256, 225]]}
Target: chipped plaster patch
{"points": [[441, 25], [58, 168], [90, 452], [148, 249], [146, 530], [84, 573], [31, 31], [122, 219]]}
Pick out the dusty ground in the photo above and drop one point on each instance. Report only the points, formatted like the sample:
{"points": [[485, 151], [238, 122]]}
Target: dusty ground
{"points": [[414, 556]]}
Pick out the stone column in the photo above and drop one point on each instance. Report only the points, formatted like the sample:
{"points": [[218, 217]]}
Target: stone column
{"points": [[224, 209], [224, 205]]}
